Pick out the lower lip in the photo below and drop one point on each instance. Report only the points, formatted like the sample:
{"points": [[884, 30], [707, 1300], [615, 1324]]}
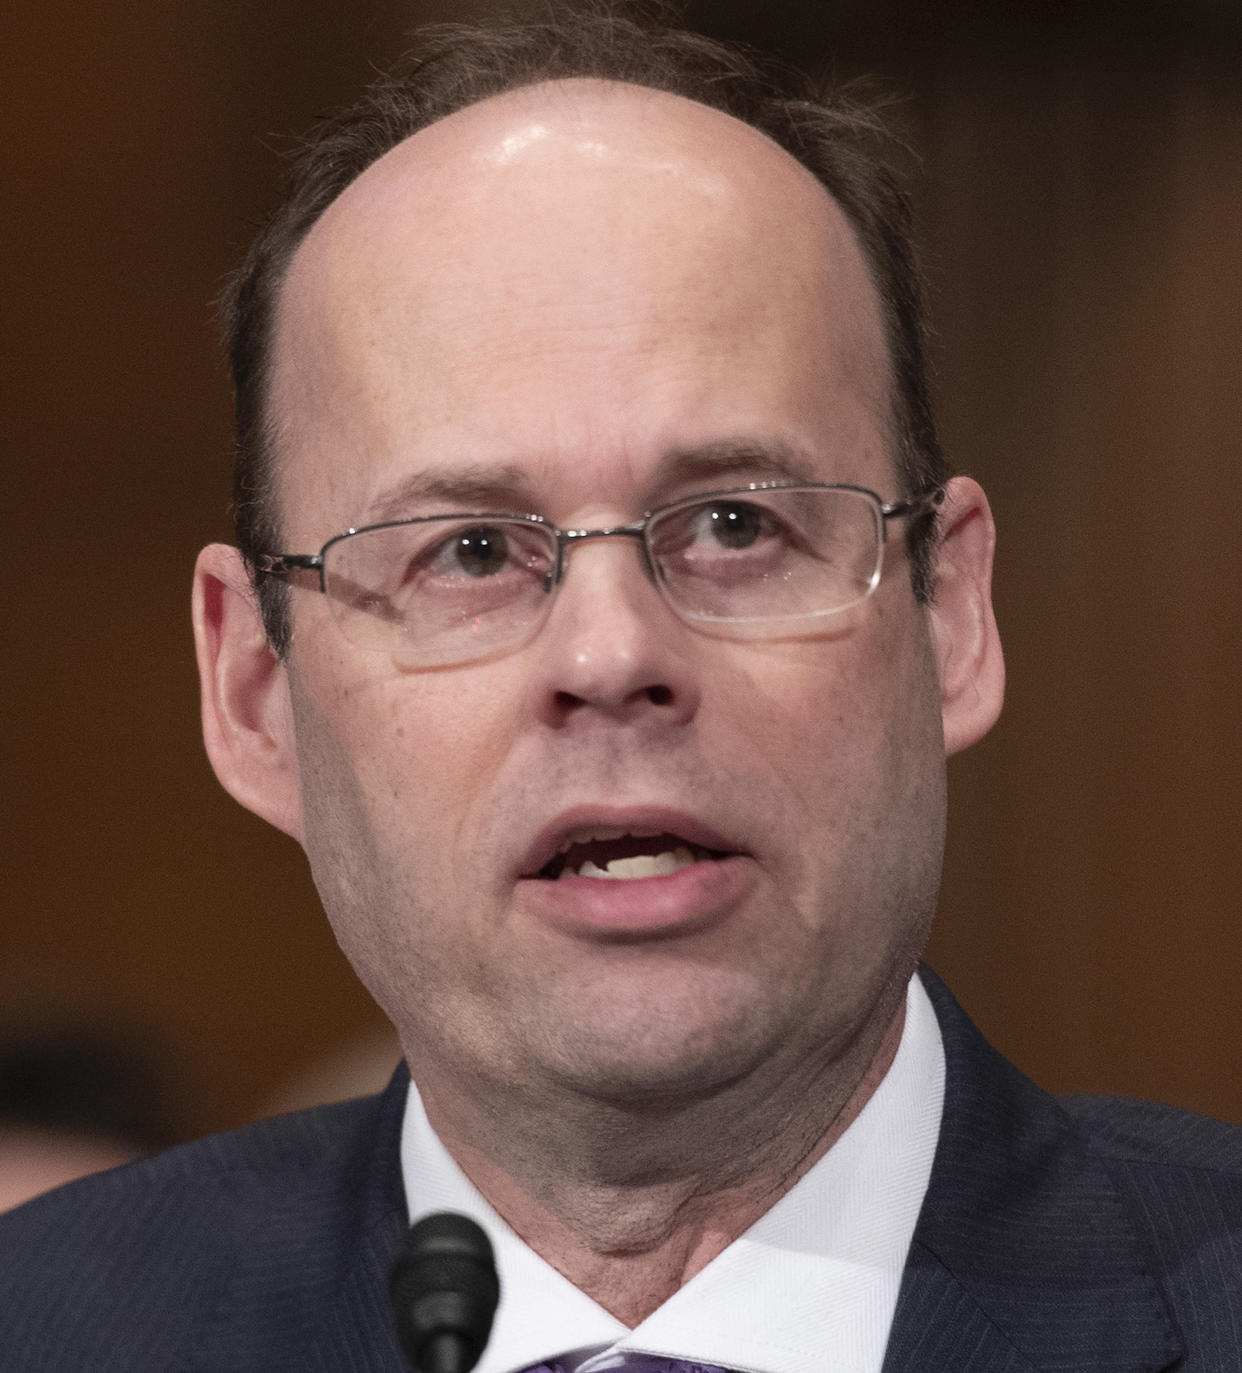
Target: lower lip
{"points": [[688, 899]]}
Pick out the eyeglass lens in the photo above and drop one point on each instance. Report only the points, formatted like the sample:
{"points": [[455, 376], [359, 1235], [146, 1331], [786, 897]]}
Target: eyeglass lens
{"points": [[775, 555]]}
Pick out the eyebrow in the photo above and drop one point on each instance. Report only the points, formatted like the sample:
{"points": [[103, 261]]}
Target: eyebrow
{"points": [[734, 459], [512, 487], [476, 487]]}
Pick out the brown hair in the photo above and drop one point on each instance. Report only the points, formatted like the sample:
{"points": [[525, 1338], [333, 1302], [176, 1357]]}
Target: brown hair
{"points": [[843, 143]]}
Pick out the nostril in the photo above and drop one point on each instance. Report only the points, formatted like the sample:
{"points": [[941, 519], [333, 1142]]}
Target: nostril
{"points": [[658, 695]]}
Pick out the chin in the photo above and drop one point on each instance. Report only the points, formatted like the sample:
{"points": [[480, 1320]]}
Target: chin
{"points": [[662, 1061]]}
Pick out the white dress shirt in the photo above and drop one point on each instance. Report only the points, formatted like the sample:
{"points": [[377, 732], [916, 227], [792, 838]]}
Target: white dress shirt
{"points": [[811, 1287]]}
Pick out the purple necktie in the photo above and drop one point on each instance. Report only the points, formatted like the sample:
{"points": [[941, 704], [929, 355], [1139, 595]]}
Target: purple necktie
{"points": [[634, 1363]]}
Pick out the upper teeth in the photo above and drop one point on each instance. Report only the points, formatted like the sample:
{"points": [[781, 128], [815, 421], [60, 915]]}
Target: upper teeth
{"points": [[641, 865], [587, 836]]}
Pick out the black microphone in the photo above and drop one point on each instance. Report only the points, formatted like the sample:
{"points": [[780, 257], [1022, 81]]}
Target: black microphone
{"points": [[445, 1289]]}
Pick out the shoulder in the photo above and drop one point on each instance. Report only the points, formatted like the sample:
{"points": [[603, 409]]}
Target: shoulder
{"points": [[1129, 1214], [1146, 1134], [1181, 1172], [1179, 1177], [157, 1246], [265, 1158]]}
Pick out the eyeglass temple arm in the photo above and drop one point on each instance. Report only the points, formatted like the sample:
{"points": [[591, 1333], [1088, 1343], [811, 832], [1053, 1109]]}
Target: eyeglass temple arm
{"points": [[288, 565], [282, 564], [922, 504], [346, 591]]}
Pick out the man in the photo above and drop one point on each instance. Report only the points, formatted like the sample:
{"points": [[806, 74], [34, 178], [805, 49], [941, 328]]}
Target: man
{"points": [[602, 623]]}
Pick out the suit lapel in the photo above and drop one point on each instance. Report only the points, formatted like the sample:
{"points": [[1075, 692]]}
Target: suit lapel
{"points": [[1024, 1256]]}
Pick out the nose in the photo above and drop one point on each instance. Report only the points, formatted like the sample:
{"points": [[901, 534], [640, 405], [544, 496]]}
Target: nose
{"points": [[611, 646]]}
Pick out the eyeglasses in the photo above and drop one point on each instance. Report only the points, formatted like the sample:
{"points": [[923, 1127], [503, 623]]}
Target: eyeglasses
{"points": [[442, 590]]}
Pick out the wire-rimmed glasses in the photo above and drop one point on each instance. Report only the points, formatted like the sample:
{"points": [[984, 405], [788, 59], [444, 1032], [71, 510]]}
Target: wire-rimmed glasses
{"points": [[758, 561]]}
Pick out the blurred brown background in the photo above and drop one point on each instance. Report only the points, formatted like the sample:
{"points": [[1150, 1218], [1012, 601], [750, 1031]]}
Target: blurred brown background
{"points": [[1081, 203]]}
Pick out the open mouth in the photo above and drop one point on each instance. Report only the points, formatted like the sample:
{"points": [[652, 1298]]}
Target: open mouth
{"points": [[622, 856]]}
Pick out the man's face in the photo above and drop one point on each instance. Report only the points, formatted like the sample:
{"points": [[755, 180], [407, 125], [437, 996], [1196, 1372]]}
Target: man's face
{"points": [[582, 301]]}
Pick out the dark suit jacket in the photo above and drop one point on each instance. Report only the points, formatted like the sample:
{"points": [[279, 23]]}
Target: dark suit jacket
{"points": [[1081, 1234]]}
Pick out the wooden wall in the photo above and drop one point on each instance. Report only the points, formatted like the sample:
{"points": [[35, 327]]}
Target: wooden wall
{"points": [[1081, 198]]}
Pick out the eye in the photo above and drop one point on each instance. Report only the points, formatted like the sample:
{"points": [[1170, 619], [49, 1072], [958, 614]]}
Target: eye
{"points": [[470, 556], [723, 539], [482, 551], [718, 528], [734, 525]]}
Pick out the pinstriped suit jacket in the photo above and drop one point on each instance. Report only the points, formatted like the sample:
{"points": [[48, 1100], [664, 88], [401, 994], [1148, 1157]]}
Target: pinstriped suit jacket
{"points": [[1081, 1234]]}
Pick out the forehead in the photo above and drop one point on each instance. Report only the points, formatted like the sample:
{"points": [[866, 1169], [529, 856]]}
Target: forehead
{"points": [[579, 272]]}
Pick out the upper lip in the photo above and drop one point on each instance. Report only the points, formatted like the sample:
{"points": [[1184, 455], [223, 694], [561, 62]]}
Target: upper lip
{"points": [[581, 822]]}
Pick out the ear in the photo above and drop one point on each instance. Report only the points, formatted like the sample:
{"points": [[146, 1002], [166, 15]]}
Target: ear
{"points": [[247, 717], [967, 645]]}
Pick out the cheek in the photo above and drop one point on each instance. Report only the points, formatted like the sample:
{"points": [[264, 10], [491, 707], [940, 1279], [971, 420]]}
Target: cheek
{"points": [[835, 709], [435, 749], [846, 734], [422, 744], [392, 773], [392, 767]]}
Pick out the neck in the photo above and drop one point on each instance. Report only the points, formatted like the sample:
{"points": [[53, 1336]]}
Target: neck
{"points": [[630, 1202]]}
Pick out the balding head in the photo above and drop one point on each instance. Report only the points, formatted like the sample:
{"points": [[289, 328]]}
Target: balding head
{"points": [[841, 144], [588, 231]]}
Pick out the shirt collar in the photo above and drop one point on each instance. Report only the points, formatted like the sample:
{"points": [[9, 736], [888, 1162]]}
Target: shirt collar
{"points": [[820, 1270]]}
